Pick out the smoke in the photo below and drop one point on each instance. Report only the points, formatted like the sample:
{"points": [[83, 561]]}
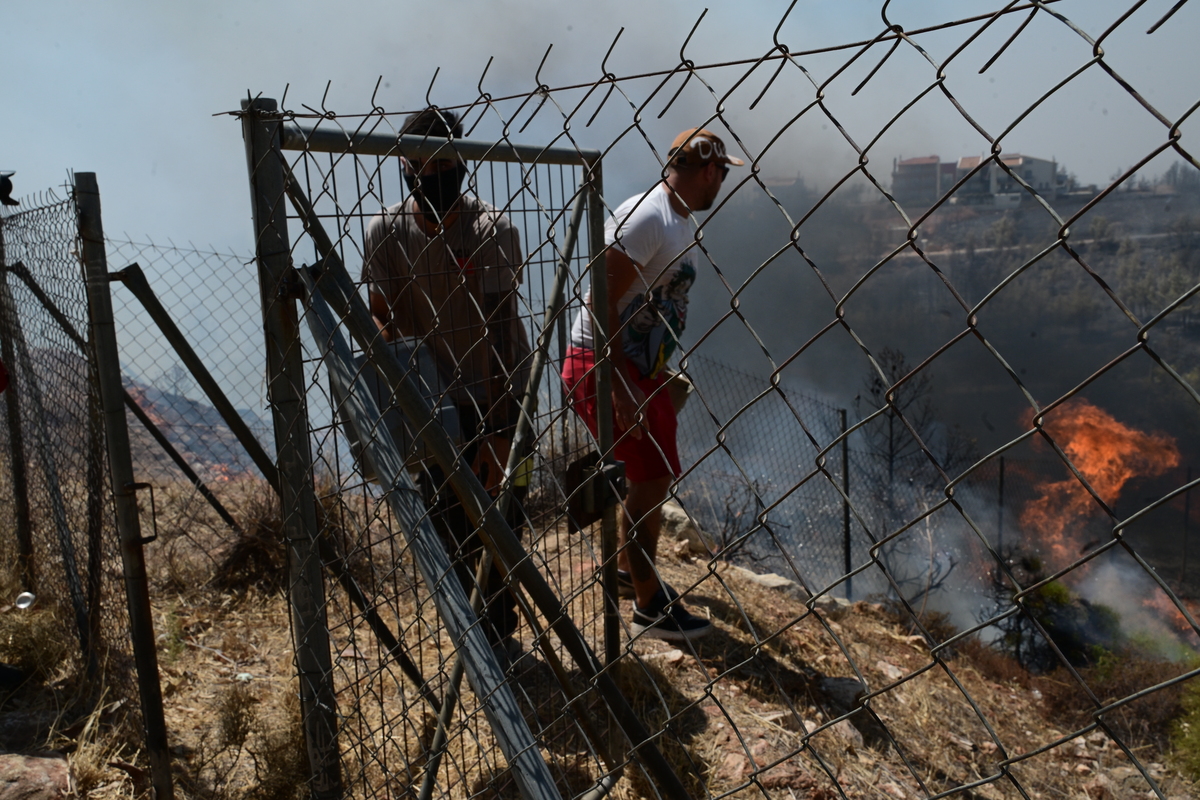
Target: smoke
{"points": [[1147, 614], [128, 90]]}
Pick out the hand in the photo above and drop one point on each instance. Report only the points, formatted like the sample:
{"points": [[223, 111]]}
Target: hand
{"points": [[628, 400], [490, 461]]}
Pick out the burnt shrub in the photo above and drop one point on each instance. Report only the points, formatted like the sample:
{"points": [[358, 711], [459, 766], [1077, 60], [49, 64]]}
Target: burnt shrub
{"points": [[1053, 626]]}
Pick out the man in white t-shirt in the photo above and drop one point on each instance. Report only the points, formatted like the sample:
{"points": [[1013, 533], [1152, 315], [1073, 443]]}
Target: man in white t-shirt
{"points": [[651, 260]]}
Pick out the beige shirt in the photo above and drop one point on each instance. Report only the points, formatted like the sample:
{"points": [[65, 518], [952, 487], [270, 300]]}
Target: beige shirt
{"points": [[458, 291]]}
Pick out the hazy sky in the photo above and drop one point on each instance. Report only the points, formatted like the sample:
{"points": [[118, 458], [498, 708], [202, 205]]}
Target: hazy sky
{"points": [[129, 88]]}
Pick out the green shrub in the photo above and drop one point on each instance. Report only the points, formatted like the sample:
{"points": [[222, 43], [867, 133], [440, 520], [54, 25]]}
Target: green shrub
{"points": [[1185, 732]]}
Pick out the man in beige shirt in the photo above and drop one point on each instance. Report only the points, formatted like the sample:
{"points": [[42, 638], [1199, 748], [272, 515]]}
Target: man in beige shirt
{"points": [[444, 267]]}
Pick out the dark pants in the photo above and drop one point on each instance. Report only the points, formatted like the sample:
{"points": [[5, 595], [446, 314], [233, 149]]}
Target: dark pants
{"points": [[499, 616]]}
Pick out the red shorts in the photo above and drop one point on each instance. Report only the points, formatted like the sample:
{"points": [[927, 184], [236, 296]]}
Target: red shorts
{"points": [[649, 458]]}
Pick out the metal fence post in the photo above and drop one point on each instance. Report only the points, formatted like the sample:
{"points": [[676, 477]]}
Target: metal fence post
{"points": [[848, 561], [120, 465], [285, 393], [9, 325], [604, 410], [1187, 513], [95, 501], [1000, 512]]}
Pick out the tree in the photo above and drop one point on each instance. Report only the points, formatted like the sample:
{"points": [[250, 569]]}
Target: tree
{"points": [[902, 479], [909, 408], [889, 439]]}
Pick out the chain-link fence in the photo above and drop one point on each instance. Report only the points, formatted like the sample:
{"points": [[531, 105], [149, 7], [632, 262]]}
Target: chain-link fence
{"points": [[1007, 361], [59, 541], [934, 271], [209, 296], [56, 473]]}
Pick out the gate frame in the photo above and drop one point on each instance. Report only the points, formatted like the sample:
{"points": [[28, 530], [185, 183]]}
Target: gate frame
{"points": [[267, 133]]}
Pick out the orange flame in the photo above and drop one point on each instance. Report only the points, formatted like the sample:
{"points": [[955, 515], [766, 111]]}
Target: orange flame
{"points": [[1161, 605], [1108, 454]]}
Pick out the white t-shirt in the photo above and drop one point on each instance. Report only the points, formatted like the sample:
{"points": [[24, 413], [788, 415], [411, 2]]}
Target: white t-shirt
{"points": [[654, 309]]}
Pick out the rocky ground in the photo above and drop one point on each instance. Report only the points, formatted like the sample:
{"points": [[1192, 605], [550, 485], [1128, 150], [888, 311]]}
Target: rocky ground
{"points": [[789, 697]]}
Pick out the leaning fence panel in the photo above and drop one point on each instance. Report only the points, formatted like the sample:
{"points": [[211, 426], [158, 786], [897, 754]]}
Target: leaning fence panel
{"points": [[53, 391], [60, 540]]}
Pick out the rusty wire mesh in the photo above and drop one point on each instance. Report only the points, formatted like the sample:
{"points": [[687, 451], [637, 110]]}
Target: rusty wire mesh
{"points": [[211, 299], [973, 257], [59, 537]]}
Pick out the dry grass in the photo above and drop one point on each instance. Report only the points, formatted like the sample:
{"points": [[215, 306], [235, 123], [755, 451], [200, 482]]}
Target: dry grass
{"points": [[762, 704], [31, 640], [747, 713]]}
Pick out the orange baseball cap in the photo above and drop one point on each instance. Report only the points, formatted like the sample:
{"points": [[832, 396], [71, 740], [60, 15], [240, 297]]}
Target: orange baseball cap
{"points": [[699, 146]]}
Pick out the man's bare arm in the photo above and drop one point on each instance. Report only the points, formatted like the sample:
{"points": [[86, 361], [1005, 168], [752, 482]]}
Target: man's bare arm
{"points": [[381, 314]]}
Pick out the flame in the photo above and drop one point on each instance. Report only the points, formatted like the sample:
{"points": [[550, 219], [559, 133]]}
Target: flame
{"points": [[1108, 454], [221, 473], [1161, 606], [169, 423]]}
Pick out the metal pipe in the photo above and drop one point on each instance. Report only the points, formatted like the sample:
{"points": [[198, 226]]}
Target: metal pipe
{"points": [[1187, 513], [1000, 512], [324, 139], [285, 391], [120, 465], [848, 561], [135, 280], [96, 505], [598, 266], [9, 331], [484, 674], [339, 291]]}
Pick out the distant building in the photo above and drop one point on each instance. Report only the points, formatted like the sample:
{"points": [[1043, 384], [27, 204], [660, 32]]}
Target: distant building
{"points": [[919, 180], [922, 181]]}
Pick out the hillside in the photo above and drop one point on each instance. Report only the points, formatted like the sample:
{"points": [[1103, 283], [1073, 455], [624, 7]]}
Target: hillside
{"points": [[749, 712]]}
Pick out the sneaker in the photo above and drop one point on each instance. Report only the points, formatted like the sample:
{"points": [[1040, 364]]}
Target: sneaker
{"points": [[669, 620], [625, 587]]}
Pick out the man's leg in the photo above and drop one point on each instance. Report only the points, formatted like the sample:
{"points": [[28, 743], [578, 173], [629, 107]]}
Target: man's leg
{"points": [[501, 601], [640, 522]]}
